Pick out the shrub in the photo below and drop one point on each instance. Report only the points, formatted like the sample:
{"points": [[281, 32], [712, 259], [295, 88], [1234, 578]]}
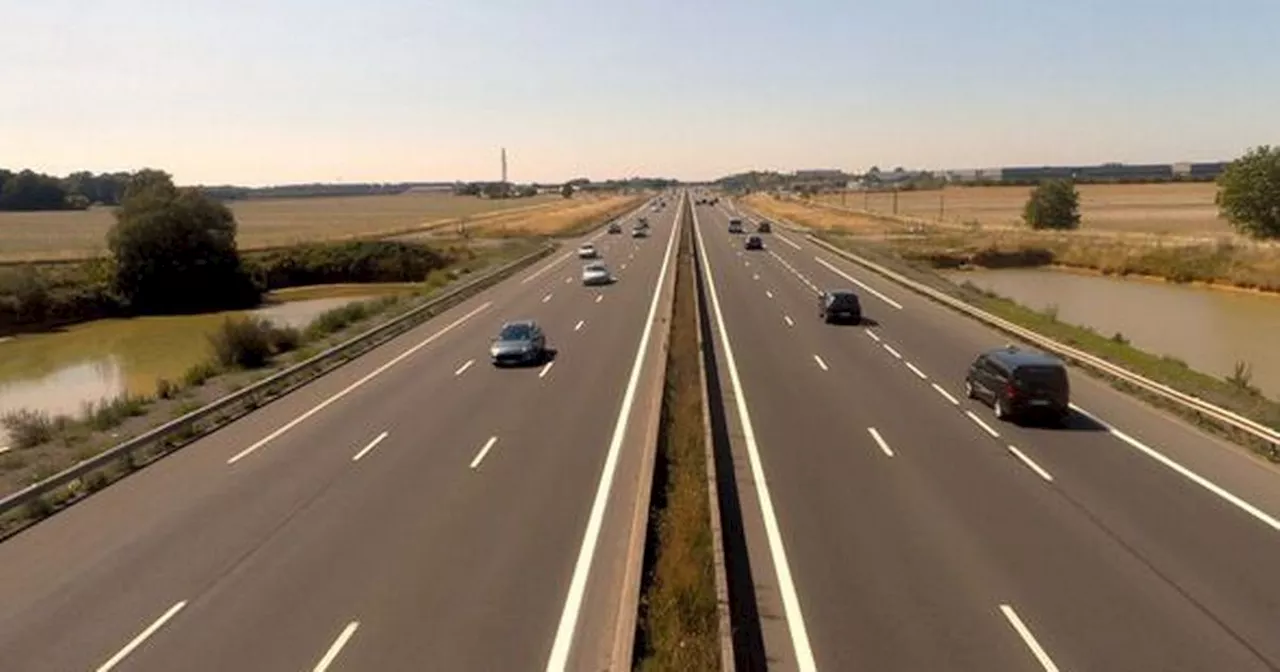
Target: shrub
{"points": [[165, 389], [1249, 193], [108, 413], [352, 261], [247, 343], [1054, 204], [199, 373], [337, 319], [27, 428]]}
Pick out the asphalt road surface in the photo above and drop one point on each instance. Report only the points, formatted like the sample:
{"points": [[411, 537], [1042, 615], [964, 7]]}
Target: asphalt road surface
{"points": [[416, 509], [893, 524]]}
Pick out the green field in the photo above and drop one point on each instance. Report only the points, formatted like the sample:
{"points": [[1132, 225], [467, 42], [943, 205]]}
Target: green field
{"points": [[42, 236]]}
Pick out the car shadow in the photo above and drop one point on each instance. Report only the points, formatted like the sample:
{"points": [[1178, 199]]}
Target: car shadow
{"points": [[1073, 422]]}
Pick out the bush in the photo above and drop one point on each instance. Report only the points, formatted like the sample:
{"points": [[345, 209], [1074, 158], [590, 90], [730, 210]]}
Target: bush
{"points": [[165, 389], [27, 428], [199, 373], [1249, 193], [337, 319], [355, 261], [248, 343], [1054, 204], [109, 413]]}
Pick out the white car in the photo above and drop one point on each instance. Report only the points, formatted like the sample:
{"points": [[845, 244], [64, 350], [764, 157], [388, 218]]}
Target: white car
{"points": [[596, 274], [588, 251]]}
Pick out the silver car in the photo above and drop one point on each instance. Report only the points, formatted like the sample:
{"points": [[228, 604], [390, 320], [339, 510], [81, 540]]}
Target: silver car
{"points": [[596, 274], [520, 342]]}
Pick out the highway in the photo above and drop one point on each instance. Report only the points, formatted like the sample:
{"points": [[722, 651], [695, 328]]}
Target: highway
{"points": [[416, 509], [892, 524]]}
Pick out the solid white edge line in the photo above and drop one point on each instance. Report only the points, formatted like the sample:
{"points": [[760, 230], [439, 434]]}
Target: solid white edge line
{"points": [[336, 647], [820, 362], [788, 319], [1028, 638], [484, 450], [916, 371], [568, 626], [874, 336], [578, 326], [880, 441], [985, 427], [372, 444], [463, 369], [348, 389], [546, 369], [790, 600], [1264, 517], [889, 348], [859, 283], [141, 637], [1030, 463], [945, 393], [786, 240]]}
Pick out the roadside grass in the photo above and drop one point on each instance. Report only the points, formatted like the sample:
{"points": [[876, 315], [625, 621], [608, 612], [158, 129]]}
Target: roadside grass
{"points": [[678, 621], [110, 413], [1235, 392], [263, 223], [27, 428], [578, 215]]}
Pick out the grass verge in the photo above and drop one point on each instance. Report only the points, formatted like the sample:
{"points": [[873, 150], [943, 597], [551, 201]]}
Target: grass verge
{"points": [[678, 624], [1234, 393]]}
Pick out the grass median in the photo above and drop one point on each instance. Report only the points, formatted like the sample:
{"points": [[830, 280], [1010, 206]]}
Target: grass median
{"points": [[678, 624]]}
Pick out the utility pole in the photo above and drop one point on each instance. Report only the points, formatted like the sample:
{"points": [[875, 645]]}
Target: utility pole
{"points": [[504, 165], [942, 204], [895, 200]]}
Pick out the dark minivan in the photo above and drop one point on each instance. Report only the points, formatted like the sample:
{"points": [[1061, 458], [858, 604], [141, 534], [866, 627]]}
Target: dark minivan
{"points": [[1020, 384], [839, 305]]}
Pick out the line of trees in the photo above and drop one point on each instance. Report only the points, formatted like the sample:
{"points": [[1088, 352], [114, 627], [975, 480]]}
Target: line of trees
{"points": [[27, 190]]}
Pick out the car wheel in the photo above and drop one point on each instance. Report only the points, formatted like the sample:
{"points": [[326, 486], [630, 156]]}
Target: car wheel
{"points": [[1002, 413], [969, 392]]}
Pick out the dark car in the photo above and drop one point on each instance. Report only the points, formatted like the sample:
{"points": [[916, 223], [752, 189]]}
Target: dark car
{"points": [[754, 242], [735, 225], [615, 227], [1020, 383], [520, 342], [764, 227], [839, 305]]}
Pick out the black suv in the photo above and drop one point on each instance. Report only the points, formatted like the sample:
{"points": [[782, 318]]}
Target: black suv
{"points": [[764, 227], [754, 242], [735, 225], [839, 305], [1020, 384]]}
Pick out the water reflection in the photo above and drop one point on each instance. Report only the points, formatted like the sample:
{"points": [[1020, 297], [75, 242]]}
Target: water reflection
{"points": [[1209, 329]]}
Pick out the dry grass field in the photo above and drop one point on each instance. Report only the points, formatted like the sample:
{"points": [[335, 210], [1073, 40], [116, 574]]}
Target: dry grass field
{"points": [[1179, 209], [582, 212], [40, 236]]}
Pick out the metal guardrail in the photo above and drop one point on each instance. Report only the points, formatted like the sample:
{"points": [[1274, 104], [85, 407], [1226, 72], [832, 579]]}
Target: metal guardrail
{"points": [[238, 403], [1217, 413]]}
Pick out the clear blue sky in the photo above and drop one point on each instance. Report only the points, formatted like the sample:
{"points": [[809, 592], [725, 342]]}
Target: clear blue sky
{"points": [[291, 90]]}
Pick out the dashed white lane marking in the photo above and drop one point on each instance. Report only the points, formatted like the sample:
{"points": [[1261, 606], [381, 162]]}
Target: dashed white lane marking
{"points": [[786, 240], [985, 427], [768, 293], [880, 441], [599, 298], [792, 269], [463, 369], [1265, 518], [353, 386], [1030, 463], [821, 363], [875, 337], [623, 267], [578, 326], [755, 276], [372, 444], [568, 280], [1027, 638], [788, 319], [917, 371], [546, 298], [859, 283], [546, 369], [336, 647], [141, 637], [484, 450], [889, 349], [943, 392]]}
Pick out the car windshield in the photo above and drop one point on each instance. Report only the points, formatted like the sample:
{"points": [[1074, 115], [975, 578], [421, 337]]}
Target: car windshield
{"points": [[516, 332]]}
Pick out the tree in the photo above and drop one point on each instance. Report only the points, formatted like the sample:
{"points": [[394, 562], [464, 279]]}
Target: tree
{"points": [[30, 191], [1054, 204], [1249, 193], [175, 250], [567, 190]]}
